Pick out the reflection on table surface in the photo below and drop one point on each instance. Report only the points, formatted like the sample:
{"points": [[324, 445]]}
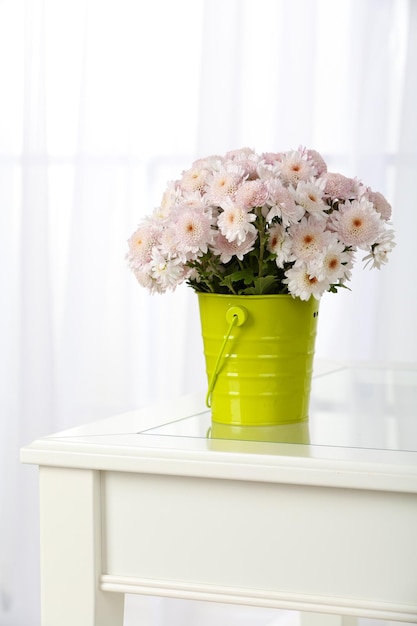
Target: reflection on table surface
{"points": [[359, 407]]}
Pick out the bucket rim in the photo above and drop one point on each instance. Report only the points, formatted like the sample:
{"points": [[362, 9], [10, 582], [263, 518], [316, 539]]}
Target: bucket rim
{"points": [[266, 296]]}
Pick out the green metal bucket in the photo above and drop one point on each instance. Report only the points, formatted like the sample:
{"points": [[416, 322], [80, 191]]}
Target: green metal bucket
{"points": [[259, 354], [294, 432]]}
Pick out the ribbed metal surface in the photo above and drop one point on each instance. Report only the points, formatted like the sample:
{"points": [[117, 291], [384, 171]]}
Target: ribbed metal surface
{"points": [[265, 373]]}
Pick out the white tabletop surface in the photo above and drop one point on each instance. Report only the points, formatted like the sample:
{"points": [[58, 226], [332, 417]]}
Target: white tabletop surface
{"points": [[362, 432]]}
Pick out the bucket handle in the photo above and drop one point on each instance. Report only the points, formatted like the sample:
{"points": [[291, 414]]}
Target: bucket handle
{"points": [[236, 316]]}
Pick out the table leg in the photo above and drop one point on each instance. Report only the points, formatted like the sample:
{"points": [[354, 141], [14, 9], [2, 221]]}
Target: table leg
{"points": [[71, 551], [322, 619]]}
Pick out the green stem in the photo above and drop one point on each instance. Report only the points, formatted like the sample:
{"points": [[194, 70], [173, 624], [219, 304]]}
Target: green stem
{"points": [[262, 240], [220, 277]]}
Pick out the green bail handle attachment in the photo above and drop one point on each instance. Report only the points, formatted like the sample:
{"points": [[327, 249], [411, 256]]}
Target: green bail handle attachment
{"points": [[236, 316]]}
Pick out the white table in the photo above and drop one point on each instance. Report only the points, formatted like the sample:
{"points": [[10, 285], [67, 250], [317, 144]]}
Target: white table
{"points": [[146, 502]]}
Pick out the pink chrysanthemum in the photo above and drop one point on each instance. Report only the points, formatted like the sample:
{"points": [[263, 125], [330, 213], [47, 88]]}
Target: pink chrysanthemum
{"points": [[272, 158], [340, 187], [319, 162], [141, 243], [357, 224], [226, 249], [239, 154], [381, 204], [193, 230], [169, 244], [251, 194]]}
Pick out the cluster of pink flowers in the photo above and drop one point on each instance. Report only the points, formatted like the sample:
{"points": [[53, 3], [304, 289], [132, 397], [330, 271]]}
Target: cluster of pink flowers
{"points": [[261, 223]]}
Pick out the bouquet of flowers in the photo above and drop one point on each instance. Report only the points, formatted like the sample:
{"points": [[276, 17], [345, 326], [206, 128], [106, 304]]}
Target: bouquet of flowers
{"points": [[252, 224]]}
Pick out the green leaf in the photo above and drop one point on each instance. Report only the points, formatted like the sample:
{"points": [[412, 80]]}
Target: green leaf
{"points": [[333, 288], [246, 275], [261, 285]]}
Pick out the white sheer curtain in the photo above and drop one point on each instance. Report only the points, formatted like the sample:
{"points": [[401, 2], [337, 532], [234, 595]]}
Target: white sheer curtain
{"points": [[101, 103]]}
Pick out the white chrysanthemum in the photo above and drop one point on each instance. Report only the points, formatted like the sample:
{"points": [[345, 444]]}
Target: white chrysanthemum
{"points": [[247, 159], [167, 272], [282, 204], [228, 249], [145, 279], [294, 167], [235, 223], [170, 198], [212, 163], [302, 283], [141, 243], [279, 243], [268, 170], [380, 251], [357, 223], [250, 167], [192, 227], [309, 195], [334, 264], [193, 199], [309, 239], [191, 273]]}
